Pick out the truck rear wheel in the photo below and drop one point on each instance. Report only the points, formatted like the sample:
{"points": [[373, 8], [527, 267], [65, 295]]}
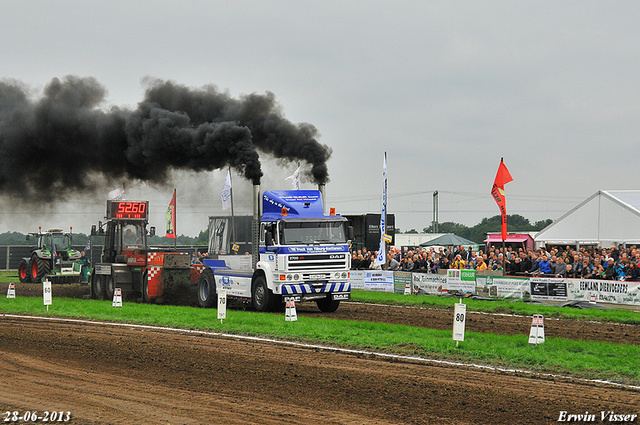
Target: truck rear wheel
{"points": [[207, 289], [97, 287], [109, 287], [327, 305], [39, 268], [145, 288], [261, 296], [24, 271]]}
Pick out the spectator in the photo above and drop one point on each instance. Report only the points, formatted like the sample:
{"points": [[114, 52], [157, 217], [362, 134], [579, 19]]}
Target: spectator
{"points": [[634, 271], [586, 272], [458, 263], [392, 263], [560, 269], [514, 267], [480, 264], [544, 267], [408, 266], [610, 272]]}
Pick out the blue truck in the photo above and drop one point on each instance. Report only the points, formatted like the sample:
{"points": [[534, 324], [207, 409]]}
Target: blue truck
{"points": [[299, 254]]}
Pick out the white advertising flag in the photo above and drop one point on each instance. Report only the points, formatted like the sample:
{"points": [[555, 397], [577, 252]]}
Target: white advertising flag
{"points": [[296, 179], [116, 194], [226, 192], [380, 258]]}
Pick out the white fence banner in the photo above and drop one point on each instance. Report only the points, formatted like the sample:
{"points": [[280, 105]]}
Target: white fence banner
{"points": [[503, 287], [428, 283], [606, 291], [356, 278], [461, 281], [378, 280]]}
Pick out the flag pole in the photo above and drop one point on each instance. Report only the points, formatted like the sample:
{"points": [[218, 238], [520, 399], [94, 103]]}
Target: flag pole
{"points": [[385, 265], [175, 221]]}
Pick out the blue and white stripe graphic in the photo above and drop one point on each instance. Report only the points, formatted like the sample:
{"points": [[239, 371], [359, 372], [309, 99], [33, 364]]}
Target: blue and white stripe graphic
{"points": [[314, 289]]}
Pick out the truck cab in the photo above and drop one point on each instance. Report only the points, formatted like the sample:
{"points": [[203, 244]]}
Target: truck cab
{"points": [[303, 255]]}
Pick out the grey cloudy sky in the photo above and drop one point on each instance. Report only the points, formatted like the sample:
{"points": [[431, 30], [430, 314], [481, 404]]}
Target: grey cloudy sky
{"points": [[446, 88]]}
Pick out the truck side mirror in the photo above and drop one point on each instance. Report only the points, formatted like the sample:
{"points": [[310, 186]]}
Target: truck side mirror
{"points": [[268, 239], [152, 231], [93, 230], [350, 232], [28, 237]]}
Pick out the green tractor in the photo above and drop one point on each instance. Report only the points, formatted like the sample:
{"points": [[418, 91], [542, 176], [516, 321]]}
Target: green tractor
{"points": [[63, 267]]}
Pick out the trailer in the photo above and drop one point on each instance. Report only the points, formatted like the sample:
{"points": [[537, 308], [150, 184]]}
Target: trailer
{"points": [[299, 253]]}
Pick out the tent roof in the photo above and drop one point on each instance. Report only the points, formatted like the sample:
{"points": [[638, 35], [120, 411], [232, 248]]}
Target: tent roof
{"points": [[606, 218], [510, 238], [448, 239]]}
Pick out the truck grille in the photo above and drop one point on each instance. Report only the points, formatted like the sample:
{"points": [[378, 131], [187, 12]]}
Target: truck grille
{"points": [[317, 261]]}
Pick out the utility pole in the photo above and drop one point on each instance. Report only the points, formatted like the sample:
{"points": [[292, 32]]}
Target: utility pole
{"points": [[434, 223]]}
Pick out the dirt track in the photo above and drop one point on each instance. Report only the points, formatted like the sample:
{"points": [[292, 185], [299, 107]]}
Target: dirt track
{"points": [[118, 375]]}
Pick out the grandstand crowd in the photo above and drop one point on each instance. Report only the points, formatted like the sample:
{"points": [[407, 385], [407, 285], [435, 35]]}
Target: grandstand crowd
{"points": [[614, 263]]}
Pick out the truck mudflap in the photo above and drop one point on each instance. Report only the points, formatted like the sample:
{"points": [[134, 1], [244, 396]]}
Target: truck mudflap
{"points": [[316, 288]]}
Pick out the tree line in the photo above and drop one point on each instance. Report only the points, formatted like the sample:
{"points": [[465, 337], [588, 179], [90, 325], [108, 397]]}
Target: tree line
{"points": [[515, 224], [17, 238]]}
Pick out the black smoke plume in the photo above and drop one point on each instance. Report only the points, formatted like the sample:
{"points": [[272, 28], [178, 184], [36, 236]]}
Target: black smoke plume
{"points": [[58, 144]]}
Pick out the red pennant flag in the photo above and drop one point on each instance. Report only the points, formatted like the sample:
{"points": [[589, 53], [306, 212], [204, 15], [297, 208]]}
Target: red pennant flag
{"points": [[171, 218], [502, 177]]}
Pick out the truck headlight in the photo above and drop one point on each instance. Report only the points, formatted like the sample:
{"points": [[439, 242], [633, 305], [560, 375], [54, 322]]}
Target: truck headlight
{"points": [[296, 276], [344, 275]]}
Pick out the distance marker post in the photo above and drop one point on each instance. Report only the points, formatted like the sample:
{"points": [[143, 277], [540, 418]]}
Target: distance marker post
{"points": [[46, 293], [290, 314], [117, 297], [222, 304], [11, 291], [459, 318], [536, 336]]}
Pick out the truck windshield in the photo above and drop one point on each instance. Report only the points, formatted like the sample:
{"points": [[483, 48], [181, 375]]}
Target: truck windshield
{"points": [[309, 232]]}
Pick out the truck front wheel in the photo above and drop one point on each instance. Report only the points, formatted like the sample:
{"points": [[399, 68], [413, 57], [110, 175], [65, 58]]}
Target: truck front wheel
{"points": [[326, 305], [261, 296], [207, 289]]}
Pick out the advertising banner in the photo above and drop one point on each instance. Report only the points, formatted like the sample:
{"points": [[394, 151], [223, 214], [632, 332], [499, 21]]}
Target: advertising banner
{"points": [[428, 283], [551, 289], [378, 280], [607, 291], [461, 281], [400, 281], [503, 287], [356, 278]]}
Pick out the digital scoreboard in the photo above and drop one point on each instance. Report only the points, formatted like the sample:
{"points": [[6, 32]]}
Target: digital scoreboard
{"points": [[128, 210]]}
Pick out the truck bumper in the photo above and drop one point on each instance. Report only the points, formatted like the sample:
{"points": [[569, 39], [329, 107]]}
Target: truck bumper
{"points": [[315, 288]]}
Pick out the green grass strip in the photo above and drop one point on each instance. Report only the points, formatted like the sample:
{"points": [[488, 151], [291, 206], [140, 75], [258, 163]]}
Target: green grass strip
{"points": [[584, 359], [619, 315]]}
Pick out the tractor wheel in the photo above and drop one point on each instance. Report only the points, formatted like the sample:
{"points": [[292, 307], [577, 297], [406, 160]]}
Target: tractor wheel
{"points": [[39, 268], [145, 288], [98, 287], [109, 287], [207, 289], [261, 296], [24, 271], [326, 305]]}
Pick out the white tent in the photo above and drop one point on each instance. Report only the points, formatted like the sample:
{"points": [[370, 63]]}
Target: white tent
{"points": [[606, 218]]}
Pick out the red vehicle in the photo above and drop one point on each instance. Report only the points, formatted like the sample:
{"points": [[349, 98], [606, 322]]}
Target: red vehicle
{"points": [[130, 264]]}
